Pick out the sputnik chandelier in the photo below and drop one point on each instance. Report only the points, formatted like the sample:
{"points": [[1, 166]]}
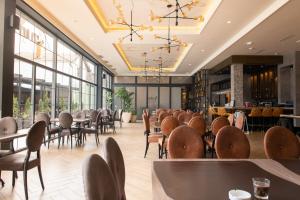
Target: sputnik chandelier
{"points": [[173, 42], [160, 65], [132, 27], [179, 12]]}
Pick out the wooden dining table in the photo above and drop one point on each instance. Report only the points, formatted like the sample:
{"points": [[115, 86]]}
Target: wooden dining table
{"points": [[214, 178]]}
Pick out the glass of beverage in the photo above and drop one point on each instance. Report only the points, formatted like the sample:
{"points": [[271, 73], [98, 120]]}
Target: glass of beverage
{"points": [[261, 188]]}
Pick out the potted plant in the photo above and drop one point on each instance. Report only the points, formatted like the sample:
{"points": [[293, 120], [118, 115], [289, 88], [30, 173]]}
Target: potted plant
{"points": [[133, 116], [109, 99], [126, 103]]}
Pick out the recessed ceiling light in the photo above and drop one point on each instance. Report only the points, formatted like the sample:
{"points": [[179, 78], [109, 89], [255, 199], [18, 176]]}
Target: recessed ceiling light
{"points": [[275, 53], [298, 41], [202, 50], [228, 22], [250, 48], [249, 43], [190, 64]]}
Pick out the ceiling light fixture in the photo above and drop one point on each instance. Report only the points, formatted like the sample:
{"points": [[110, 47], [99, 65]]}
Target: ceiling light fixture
{"points": [[298, 41], [202, 50], [132, 27], [171, 42], [228, 22], [190, 64], [250, 48], [249, 43], [178, 12]]}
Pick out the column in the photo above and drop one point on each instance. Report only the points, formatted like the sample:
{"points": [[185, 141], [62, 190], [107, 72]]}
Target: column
{"points": [[237, 84], [7, 38], [296, 88]]}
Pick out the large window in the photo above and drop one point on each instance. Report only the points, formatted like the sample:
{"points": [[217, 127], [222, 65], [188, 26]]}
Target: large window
{"points": [[106, 90], [65, 80]]}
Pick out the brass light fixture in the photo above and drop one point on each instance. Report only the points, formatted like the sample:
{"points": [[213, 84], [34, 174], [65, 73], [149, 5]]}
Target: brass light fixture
{"points": [[178, 12], [132, 27]]}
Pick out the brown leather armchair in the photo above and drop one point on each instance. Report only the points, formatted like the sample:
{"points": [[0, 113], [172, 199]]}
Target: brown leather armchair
{"points": [[216, 125], [98, 179], [231, 142], [184, 142], [167, 126], [20, 162], [281, 143], [113, 156]]}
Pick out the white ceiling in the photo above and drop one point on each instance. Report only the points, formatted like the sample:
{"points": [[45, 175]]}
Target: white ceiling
{"points": [[265, 22]]}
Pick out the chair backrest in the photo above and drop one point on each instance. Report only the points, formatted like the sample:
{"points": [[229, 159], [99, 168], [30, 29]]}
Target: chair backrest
{"points": [[94, 115], [198, 123], [162, 116], [231, 119], [277, 111], [281, 143], [181, 117], [65, 120], [267, 112], [8, 125], [168, 125], [176, 113], [146, 122], [35, 136], [98, 180], [255, 112], [231, 142], [240, 120], [98, 120], [197, 114], [114, 116], [42, 116], [222, 111], [219, 123], [184, 142], [121, 113], [188, 116], [113, 156]]}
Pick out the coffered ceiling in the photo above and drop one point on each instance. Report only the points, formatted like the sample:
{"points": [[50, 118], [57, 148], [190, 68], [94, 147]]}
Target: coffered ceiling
{"points": [[224, 24]]}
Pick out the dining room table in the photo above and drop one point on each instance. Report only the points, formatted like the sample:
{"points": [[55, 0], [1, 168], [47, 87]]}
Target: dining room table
{"points": [[214, 178]]}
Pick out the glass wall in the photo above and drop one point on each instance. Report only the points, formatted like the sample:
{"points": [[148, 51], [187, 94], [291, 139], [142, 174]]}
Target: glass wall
{"points": [[64, 79], [107, 95]]}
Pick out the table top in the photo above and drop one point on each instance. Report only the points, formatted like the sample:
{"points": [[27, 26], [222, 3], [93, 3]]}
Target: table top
{"points": [[74, 120], [212, 179], [11, 136], [290, 116]]}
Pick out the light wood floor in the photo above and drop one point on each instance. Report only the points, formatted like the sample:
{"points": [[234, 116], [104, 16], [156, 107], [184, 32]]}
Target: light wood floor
{"points": [[62, 167]]}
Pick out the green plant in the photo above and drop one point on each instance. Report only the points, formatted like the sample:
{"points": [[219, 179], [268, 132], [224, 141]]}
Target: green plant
{"points": [[16, 110], [108, 99], [44, 103], [27, 108], [62, 104], [75, 106], [126, 99]]}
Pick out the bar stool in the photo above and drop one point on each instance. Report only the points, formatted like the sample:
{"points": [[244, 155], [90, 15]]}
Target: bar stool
{"points": [[267, 115], [277, 111], [255, 115]]}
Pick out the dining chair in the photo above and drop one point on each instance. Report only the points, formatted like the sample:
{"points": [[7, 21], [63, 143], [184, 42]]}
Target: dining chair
{"points": [[98, 179], [267, 116], [20, 162], [167, 126], [212, 112], [112, 154], [181, 117], [8, 125], [231, 142], [162, 116], [231, 119], [150, 137], [184, 142], [65, 123], [110, 122], [51, 131], [277, 111], [119, 117], [216, 125], [222, 112], [281, 143], [188, 116], [198, 123], [255, 115], [93, 129], [176, 113], [93, 117], [240, 120], [197, 114]]}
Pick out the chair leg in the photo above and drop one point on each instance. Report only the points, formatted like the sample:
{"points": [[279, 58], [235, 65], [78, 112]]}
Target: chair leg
{"points": [[25, 183], [14, 178], [147, 146], [1, 181], [41, 177], [159, 149]]}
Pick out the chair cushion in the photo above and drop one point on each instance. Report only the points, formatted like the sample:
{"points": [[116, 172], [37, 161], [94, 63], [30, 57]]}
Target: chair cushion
{"points": [[153, 138], [15, 162]]}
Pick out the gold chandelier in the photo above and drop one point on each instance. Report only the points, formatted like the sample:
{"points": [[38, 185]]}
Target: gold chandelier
{"points": [[179, 12]]}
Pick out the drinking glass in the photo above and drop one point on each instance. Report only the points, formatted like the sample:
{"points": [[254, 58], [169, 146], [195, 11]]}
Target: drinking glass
{"points": [[261, 187]]}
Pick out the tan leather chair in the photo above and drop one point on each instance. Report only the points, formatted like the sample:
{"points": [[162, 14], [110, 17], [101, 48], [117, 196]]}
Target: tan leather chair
{"points": [[181, 118], [198, 123], [255, 115], [267, 116], [216, 125], [184, 142], [197, 114], [150, 137], [231, 119], [240, 121], [162, 116], [281, 143], [113, 156], [167, 126], [231, 142], [98, 179], [188, 116], [20, 162], [176, 113], [277, 111]]}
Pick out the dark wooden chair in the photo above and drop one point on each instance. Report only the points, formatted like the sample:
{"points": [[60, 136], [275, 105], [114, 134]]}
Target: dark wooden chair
{"points": [[20, 162], [93, 130], [98, 180]]}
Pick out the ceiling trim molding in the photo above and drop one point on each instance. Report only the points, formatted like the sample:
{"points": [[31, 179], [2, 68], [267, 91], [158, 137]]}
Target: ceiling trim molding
{"points": [[173, 68], [254, 23]]}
